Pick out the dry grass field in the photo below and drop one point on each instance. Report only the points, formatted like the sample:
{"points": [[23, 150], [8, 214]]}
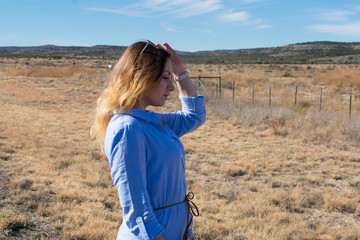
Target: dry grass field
{"points": [[257, 172]]}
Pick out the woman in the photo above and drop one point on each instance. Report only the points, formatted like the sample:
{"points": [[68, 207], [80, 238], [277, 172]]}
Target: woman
{"points": [[146, 156]]}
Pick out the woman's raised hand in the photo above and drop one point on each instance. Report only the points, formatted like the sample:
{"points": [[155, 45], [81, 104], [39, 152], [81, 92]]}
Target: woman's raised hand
{"points": [[178, 66]]}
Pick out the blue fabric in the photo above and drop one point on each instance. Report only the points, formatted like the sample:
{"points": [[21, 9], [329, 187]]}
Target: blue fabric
{"points": [[147, 163]]}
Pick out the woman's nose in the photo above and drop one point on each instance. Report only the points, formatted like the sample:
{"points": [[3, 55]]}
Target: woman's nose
{"points": [[170, 86]]}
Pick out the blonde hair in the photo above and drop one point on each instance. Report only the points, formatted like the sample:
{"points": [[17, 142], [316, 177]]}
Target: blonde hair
{"points": [[135, 75]]}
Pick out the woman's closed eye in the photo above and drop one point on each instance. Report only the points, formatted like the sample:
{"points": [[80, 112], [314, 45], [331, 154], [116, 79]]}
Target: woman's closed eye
{"points": [[167, 78]]}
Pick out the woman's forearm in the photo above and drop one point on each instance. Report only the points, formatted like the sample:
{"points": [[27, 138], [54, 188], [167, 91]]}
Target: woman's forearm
{"points": [[186, 88]]}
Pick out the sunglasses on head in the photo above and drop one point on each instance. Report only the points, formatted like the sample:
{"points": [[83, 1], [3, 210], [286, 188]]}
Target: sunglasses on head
{"points": [[150, 43]]}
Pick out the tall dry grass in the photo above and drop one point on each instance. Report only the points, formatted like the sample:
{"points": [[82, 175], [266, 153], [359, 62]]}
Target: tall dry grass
{"points": [[83, 73], [344, 76], [53, 72], [336, 81], [255, 184], [340, 78], [257, 172], [311, 125]]}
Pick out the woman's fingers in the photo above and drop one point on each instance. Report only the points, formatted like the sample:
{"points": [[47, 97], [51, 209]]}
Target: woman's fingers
{"points": [[166, 47], [176, 60], [160, 46]]}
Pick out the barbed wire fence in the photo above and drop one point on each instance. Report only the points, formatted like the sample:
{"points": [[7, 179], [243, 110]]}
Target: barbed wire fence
{"points": [[217, 89]]}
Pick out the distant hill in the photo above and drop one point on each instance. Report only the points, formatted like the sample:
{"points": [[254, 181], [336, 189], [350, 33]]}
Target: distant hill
{"points": [[309, 52], [95, 51]]}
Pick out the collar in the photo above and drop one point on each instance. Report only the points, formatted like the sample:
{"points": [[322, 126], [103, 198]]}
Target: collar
{"points": [[149, 117]]}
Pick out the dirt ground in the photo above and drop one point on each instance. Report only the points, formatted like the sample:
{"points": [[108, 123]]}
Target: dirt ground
{"points": [[249, 181]]}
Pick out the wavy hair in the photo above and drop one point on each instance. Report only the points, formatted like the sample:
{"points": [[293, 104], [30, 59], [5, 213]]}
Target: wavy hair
{"points": [[134, 76]]}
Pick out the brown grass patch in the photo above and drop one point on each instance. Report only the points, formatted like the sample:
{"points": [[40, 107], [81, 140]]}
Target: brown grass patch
{"points": [[53, 72], [10, 222], [257, 172]]}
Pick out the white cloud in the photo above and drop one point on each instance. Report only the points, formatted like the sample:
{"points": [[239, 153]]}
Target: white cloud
{"points": [[242, 17], [336, 15], [158, 2], [184, 8], [131, 11], [7, 37], [193, 8], [264, 26], [348, 29], [170, 29], [231, 16], [250, 1], [177, 9]]}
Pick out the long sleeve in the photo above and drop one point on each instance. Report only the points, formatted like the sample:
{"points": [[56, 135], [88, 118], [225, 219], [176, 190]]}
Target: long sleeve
{"points": [[192, 115], [127, 158]]}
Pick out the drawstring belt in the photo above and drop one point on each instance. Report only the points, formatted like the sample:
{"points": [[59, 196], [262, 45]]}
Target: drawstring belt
{"points": [[192, 209]]}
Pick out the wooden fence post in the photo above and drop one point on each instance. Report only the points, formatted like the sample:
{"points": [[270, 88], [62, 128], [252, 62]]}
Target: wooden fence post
{"points": [[253, 93], [350, 103], [321, 92], [219, 86], [233, 90], [296, 92], [270, 95]]}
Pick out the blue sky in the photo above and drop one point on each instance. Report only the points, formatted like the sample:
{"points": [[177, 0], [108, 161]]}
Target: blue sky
{"points": [[188, 25]]}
